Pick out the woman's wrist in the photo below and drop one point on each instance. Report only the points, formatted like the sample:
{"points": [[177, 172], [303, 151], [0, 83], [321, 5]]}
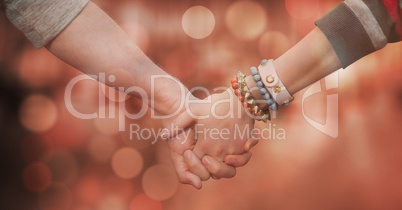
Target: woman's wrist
{"points": [[262, 92], [308, 61]]}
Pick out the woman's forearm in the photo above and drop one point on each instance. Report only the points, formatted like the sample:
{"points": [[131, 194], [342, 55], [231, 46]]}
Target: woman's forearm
{"points": [[307, 62], [94, 44]]}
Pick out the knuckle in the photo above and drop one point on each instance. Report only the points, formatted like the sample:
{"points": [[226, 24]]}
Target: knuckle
{"points": [[219, 151], [234, 162], [214, 170], [191, 164], [198, 152], [205, 178]]}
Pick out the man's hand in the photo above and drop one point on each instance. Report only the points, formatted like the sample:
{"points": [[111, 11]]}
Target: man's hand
{"points": [[223, 130], [220, 149]]}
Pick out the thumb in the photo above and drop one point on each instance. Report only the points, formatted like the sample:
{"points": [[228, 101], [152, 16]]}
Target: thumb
{"points": [[238, 160], [179, 124], [250, 143]]}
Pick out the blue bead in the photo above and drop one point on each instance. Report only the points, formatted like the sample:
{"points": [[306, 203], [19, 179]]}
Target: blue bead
{"points": [[253, 71], [270, 102], [274, 107], [266, 96], [263, 91], [287, 104], [260, 84], [263, 62], [256, 78]]}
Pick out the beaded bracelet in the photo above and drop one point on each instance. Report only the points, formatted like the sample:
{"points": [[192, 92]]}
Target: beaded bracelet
{"points": [[262, 89], [241, 90], [272, 90]]}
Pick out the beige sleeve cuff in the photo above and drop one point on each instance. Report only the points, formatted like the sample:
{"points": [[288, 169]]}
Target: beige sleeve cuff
{"points": [[42, 20]]}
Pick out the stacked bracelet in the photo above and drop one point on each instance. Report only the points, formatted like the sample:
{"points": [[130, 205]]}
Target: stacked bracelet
{"points": [[264, 85], [263, 91], [273, 84], [249, 102]]}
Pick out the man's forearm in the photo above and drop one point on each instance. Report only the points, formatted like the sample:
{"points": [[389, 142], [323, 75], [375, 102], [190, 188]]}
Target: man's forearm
{"points": [[94, 43]]}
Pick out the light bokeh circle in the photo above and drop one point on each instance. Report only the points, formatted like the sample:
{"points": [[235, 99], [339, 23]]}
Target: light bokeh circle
{"points": [[246, 20], [39, 68], [160, 182], [127, 163], [38, 113], [198, 22], [302, 10], [144, 202], [272, 44], [108, 125], [37, 177], [111, 202]]}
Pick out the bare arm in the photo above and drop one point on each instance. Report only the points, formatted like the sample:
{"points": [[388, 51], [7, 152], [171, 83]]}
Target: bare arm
{"points": [[307, 62], [94, 43], [349, 32]]}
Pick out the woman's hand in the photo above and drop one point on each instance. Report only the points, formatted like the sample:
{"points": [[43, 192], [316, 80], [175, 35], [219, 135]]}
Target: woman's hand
{"points": [[218, 131], [224, 134]]}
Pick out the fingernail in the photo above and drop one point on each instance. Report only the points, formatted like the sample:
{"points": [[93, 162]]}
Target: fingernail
{"points": [[198, 186], [187, 155], [229, 161], [206, 161], [214, 177], [247, 146], [165, 134]]}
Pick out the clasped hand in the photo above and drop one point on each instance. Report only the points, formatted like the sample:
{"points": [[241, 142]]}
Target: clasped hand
{"points": [[218, 138]]}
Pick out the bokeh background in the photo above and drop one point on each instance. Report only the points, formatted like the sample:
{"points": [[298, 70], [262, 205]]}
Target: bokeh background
{"points": [[52, 160]]}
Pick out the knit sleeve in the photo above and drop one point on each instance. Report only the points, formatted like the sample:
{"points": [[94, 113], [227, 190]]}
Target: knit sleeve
{"points": [[356, 28], [42, 20]]}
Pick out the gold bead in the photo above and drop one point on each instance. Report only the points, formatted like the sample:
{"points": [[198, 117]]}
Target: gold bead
{"points": [[270, 79], [255, 109], [247, 95], [240, 77], [250, 101], [277, 89], [244, 89], [265, 118]]}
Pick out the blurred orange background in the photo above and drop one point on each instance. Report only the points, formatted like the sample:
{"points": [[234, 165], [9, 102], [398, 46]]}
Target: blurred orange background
{"points": [[52, 160]]}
